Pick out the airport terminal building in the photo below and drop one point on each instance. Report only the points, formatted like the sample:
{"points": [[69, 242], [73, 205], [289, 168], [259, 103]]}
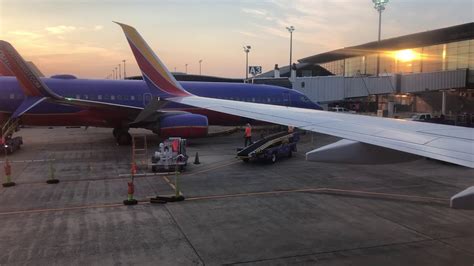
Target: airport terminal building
{"points": [[431, 71]]}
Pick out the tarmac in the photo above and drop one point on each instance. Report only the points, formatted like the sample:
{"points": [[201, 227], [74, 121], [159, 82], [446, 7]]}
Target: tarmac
{"points": [[291, 212]]}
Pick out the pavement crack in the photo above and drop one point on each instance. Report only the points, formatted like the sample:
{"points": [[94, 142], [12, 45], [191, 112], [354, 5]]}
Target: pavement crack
{"points": [[184, 235]]}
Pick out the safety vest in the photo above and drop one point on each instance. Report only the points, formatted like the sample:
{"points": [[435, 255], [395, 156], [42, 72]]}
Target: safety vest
{"points": [[248, 131]]}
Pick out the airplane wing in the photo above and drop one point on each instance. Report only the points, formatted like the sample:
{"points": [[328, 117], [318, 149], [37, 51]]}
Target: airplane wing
{"points": [[446, 143]]}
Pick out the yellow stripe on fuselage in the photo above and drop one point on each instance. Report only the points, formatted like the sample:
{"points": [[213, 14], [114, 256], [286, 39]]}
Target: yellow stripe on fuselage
{"points": [[137, 40]]}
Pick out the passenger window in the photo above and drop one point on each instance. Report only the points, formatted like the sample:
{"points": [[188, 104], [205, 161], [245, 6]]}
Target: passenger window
{"points": [[132, 98], [99, 97], [78, 96], [86, 96], [119, 97], [12, 96], [112, 97]]}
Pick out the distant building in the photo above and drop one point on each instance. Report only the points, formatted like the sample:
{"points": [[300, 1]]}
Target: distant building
{"points": [[430, 71], [192, 77]]}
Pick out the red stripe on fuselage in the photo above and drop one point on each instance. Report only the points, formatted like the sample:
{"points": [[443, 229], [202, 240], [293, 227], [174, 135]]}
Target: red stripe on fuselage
{"points": [[113, 119], [81, 118], [183, 132]]}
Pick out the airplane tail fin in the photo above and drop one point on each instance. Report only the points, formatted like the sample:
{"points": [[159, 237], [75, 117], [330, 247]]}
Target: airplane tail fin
{"points": [[159, 79], [5, 71], [29, 80], [33, 87]]}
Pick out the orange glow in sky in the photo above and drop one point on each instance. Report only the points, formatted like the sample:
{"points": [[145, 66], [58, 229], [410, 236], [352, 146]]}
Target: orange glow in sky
{"points": [[79, 38]]}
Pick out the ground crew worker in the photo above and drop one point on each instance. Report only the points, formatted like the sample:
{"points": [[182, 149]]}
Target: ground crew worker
{"points": [[248, 134], [291, 129]]}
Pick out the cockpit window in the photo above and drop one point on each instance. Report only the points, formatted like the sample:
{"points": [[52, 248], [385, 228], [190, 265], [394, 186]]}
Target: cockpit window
{"points": [[304, 99]]}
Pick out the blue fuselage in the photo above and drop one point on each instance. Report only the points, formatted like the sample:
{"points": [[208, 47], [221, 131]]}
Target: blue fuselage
{"points": [[136, 93]]}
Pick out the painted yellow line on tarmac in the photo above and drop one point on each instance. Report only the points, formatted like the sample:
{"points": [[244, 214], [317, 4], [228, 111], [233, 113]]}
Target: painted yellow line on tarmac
{"points": [[30, 161], [66, 208], [317, 190], [169, 182]]}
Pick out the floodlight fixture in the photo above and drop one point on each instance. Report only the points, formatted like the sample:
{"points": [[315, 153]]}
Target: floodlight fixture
{"points": [[379, 5]]}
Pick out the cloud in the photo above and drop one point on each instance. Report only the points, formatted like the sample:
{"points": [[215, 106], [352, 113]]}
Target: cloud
{"points": [[256, 12], [98, 27], [247, 33], [60, 29], [28, 34]]}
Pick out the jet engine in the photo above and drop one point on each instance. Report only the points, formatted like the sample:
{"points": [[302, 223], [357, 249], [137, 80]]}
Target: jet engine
{"points": [[182, 125]]}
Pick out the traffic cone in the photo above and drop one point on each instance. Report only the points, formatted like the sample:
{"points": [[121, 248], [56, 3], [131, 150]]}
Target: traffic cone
{"points": [[131, 187], [130, 200], [8, 175], [196, 159]]}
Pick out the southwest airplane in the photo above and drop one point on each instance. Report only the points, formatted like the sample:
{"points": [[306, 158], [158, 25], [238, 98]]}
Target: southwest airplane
{"points": [[365, 139], [63, 100]]}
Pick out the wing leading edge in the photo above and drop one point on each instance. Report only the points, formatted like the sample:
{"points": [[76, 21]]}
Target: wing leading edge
{"points": [[446, 143]]}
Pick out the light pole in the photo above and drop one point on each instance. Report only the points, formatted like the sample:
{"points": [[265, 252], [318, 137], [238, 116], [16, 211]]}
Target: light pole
{"points": [[186, 68], [116, 73], [113, 73], [124, 72], [379, 5], [291, 29], [247, 50], [200, 62], [120, 71]]}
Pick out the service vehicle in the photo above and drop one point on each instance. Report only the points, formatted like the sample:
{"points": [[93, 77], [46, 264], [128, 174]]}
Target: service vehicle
{"points": [[270, 148], [9, 145], [170, 156], [338, 109]]}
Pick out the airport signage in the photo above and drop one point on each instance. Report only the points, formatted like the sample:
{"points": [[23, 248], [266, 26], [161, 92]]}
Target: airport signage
{"points": [[255, 70]]}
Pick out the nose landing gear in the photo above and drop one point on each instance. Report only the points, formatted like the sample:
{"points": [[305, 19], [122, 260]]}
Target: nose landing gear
{"points": [[122, 136]]}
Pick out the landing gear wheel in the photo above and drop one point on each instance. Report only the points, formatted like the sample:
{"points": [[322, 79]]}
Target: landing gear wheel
{"points": [[124, 138], [274, 158], [115, 132]]}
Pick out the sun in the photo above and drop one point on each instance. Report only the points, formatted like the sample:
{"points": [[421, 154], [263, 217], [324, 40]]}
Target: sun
{"points": [[406, 55]]}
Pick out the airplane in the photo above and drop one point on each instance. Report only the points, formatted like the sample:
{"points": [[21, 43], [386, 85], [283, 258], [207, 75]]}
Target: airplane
{"points": [[364, 139], [64, 100]]}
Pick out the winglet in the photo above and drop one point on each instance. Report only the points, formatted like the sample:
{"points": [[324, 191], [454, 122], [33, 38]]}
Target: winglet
{"points": [[157, 76], [31, 84]]}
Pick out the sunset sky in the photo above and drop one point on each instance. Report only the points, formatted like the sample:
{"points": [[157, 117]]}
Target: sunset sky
{"points": [[78, 36]]}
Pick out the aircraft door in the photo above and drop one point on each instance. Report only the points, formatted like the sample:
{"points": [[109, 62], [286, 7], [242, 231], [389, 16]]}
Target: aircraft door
{"points": [[146, 98]]}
